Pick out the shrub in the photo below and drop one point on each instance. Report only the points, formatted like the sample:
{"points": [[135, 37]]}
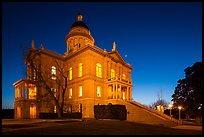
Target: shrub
{"points": [[73, 115], [7, 113], [48, 115], [110, 112]]}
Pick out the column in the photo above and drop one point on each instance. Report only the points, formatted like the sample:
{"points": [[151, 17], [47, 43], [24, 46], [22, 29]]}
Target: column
{"points": [[130, 93], [15, 93], [113, 91], [127, 93], [116, 72], [67, 47], [107, 92], [116, 91], [120, 93], [23, 89], [109, 69]]}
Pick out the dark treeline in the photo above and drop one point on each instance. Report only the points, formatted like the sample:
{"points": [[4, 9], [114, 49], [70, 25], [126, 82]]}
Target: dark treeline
{"points": [[7, 113]]}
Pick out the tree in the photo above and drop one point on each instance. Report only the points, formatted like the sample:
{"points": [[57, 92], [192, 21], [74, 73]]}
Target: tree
{"points": [[188, 92], [46, 76], [159, 102]]}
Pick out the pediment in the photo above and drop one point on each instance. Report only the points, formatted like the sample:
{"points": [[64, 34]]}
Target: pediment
{"points": [[116, 55]]}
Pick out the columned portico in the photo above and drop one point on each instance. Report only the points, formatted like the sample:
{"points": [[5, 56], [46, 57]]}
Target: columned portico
{"points": [[119, 90]]}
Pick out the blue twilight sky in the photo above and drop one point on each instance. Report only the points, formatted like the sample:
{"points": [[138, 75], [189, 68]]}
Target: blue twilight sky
{"points": [[158, 39]]}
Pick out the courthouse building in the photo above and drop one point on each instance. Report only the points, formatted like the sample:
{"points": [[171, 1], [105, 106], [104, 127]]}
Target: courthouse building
{"points": [[95, 76]]}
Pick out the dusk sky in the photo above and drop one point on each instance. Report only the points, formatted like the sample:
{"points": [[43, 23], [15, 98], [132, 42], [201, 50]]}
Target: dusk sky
{"points": [[159, 40]]}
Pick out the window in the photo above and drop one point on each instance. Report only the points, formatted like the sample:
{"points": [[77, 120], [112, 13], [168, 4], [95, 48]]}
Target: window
{"points": [[53, 72], [70, 93], [17, 92], [55, 109], [98, 91], [123, 95], [32, 91], [124, 77], [70, 73], [54, 91], [80, 69], [98, 70], [80, 91], [112, 73], [26, 93], [34, 74]]}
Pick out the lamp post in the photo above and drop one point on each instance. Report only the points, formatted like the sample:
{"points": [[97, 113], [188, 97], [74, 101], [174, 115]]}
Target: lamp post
{"points": [[170, 107], [179, 112]]}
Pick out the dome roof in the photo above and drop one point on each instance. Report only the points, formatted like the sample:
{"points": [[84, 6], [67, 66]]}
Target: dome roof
{"points": [[79, 24], [79, 28]]}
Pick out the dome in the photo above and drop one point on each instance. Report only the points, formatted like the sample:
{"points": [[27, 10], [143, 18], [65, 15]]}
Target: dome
{"points": [[78, 36], [79, 28], [79, 24]]}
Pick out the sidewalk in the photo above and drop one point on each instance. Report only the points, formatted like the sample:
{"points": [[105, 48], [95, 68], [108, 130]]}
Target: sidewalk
{"points": [[31, 121], [188, 127]]}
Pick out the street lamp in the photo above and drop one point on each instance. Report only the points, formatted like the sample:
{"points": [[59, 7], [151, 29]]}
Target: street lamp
{"points": [[179, 107], [170, 107]]}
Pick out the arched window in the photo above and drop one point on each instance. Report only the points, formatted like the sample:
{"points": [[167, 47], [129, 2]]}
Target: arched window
{"points": [[53, 72], [70, 73], [99, 70], [80, 69], [112, 73]]}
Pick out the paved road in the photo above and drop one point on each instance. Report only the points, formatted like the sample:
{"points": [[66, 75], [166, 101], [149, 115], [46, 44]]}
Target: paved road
{"points": [[91, 127]]}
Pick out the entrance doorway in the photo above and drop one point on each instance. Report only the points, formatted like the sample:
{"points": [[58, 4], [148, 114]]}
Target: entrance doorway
{"points": [[32, 111], [18, 112]]}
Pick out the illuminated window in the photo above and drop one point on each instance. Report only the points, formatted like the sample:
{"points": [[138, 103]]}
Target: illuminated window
{"points": [[70, 73], [98, 70], [124, 77], [55, 109], [17, 93], [112, 73], [123, 95], [80, 69], [80, 91], [98, 91], [70, 93], [53, 72], [54, 91], [32, 91]]}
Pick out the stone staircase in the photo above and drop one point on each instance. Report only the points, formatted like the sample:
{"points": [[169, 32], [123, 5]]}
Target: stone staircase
{"points": [[137, 112]]}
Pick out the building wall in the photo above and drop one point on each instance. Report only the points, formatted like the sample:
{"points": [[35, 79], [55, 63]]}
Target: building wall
{"points": [[89, 57], [89, 82]]}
